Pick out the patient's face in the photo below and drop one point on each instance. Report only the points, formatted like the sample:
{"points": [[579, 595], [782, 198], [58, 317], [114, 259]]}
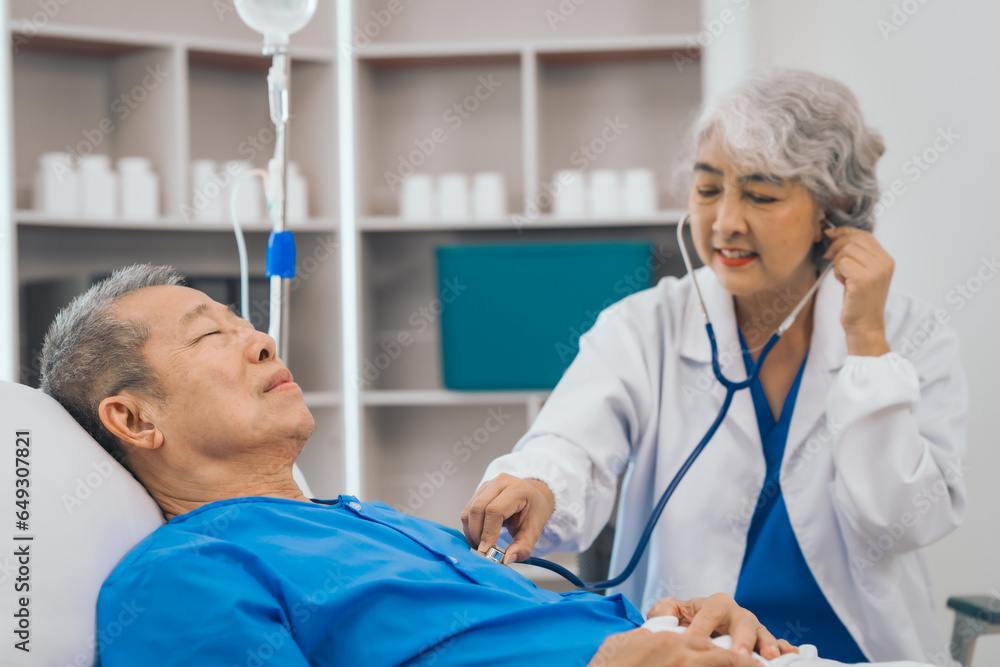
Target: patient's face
{"points": [[228, 396]]}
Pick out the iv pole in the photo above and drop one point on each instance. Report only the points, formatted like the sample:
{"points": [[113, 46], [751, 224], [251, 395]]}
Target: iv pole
{"points": [[277, 19]]}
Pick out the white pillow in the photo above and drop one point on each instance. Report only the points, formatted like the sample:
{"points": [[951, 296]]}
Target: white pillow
{"points": [[84, 513]]}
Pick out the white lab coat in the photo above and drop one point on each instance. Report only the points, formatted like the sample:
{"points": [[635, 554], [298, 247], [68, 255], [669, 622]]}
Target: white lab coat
{"points": [[871, 470]]}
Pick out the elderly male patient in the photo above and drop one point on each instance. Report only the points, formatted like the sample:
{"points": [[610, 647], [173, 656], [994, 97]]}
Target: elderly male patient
{"points": [[248, 571]]}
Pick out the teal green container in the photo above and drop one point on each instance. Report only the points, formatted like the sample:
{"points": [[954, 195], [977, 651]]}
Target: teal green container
{"points": [[513, 314]]}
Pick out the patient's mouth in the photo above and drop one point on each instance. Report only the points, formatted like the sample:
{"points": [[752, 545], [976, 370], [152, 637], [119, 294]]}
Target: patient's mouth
{"points": [[279, 379]]}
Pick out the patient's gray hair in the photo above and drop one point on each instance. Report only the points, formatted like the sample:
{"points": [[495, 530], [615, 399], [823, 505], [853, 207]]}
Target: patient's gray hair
{"points": [[801, 126], [89, 354]]}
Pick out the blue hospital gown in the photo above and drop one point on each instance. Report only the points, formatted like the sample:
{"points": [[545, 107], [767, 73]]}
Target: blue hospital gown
{"points": [[268, 581]]}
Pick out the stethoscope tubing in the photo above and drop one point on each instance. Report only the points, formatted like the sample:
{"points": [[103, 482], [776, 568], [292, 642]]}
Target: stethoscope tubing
{"points": [[731, 389]]}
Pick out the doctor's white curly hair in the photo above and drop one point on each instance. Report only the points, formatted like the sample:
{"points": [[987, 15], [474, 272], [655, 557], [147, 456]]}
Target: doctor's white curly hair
{"points": [[801, 126]]}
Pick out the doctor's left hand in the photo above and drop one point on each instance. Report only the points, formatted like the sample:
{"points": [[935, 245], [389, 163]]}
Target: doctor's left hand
{"points": [[865, 269], [719, 614]]}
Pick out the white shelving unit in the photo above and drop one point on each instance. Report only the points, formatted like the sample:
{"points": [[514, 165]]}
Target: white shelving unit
{"points": [[176, 82], [542, 94], [548, 84]]}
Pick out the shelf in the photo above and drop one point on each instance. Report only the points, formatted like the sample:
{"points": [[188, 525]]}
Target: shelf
{"points": [[615, 114], [519, 222], [633, 47], [436, 118], [167, 224], [430, 397], [55, 37], [66, 38], [656, 46]]}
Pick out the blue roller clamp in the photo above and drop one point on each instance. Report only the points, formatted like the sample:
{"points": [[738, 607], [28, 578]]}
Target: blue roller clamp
{"points": [[281, 255]]}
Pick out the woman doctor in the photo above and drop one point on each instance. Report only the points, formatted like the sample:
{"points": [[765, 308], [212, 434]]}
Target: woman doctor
{"points": [[813, 499]]}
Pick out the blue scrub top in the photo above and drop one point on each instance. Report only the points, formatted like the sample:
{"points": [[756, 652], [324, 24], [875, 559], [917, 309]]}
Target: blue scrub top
{"points": [[775, 581], [269, 581]]}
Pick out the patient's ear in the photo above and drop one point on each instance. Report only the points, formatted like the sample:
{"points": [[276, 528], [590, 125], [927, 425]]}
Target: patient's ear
{"points": [[127, 417]]}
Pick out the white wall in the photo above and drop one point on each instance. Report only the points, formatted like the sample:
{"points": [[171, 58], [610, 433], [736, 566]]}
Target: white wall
{"points": [[939, 70]]}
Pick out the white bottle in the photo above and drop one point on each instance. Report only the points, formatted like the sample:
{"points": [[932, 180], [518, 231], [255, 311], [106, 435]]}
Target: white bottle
{"points": [[489, 196], [416, 198], [297, 208], [453, 196], [603, 194], [250, 202], [57, 190], [98, 188], [638, 197], [209, 192], [140, 189], [569, 194]]}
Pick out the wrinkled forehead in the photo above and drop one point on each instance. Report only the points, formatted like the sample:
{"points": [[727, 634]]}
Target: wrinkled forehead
{"points": [[167, 310]]}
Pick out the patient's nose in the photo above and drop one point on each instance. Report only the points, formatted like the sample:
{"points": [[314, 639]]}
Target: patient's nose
{"points": [[261, 347]]}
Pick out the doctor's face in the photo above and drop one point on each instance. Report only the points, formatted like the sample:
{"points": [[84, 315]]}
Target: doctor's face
{"points": [[228, 396], [756, 231]]}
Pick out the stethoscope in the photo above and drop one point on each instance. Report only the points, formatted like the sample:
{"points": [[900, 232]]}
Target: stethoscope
{"points": [[496, 554]]}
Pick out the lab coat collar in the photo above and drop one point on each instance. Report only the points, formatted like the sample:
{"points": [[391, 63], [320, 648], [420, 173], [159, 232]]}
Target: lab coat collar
{"points": [[828, 346], [828, 349]]}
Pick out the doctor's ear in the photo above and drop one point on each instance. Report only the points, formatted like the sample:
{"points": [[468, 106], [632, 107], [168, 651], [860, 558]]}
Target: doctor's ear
{"points": [[127, 417]]}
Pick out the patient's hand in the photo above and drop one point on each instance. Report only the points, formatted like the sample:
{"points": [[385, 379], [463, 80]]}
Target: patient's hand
{"points": [[642, 648], [719, 614]]}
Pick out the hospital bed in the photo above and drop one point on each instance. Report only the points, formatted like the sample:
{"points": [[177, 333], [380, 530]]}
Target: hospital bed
{"points": [[69, 512]]}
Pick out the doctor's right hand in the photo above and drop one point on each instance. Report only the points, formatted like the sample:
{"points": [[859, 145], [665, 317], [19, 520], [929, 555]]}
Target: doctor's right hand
{"points": [[522, 505]]}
